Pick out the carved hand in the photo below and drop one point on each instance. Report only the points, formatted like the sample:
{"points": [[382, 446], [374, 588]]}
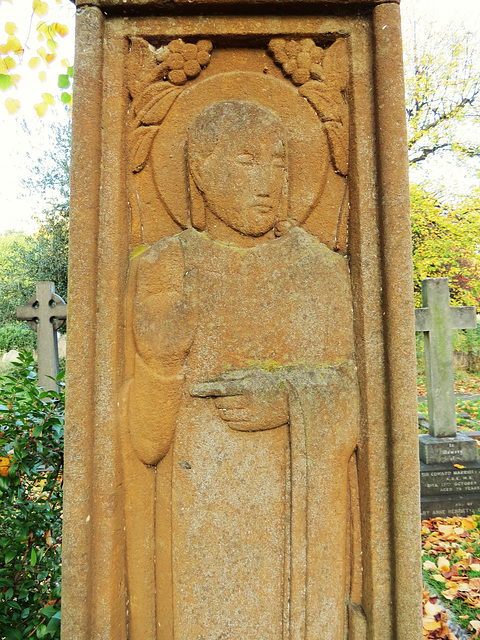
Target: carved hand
{"points": [[247, 400], [165, 309]]}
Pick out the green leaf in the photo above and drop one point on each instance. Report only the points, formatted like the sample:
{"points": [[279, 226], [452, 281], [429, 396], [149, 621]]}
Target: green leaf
{"points": [[66, 98], [70, 72], [11, 553], [41, 631], [49, 611], [9, 594], [37, 431], [33, 558], [63, 81], [53, 625], [5, 82]]}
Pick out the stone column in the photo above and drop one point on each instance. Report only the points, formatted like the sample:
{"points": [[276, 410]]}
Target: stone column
{"points": [[142, 446]]}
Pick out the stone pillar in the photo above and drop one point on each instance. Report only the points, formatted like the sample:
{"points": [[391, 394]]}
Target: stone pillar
{"points": [[222, 367]]}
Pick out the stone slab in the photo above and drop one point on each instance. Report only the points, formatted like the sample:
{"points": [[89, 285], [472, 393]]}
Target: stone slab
{"points": [[442, 507], [461, 448], [445, 479]]}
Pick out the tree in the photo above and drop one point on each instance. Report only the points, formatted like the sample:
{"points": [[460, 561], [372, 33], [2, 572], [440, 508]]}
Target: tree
{"points": [[44, 256], [442, 72], [446, 244], [17, 50]]}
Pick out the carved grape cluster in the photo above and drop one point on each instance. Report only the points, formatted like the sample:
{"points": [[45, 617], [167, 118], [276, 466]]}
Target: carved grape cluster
{"points": [[182, 61], [301, 60]]}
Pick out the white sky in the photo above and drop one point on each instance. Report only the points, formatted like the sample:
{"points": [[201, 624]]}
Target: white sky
{"points": [[16, 208]]}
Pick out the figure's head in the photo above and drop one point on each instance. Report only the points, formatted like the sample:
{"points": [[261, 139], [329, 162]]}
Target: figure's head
{"points": [[238, 160]]}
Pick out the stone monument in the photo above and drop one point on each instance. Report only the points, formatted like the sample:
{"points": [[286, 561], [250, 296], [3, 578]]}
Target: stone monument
{"points": [[240, 452], [446, 490], [45, 313]]}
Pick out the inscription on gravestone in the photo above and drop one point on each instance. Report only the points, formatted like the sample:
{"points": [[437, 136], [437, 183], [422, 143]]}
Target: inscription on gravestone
{"points": [[45, 313], [443, 446]]}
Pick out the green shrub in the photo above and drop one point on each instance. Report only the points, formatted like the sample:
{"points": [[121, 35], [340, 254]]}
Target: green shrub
{"points": [[17, 336], [31, 466]]}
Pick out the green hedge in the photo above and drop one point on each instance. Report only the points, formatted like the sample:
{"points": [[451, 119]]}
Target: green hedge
{"points": [[31, 467]]}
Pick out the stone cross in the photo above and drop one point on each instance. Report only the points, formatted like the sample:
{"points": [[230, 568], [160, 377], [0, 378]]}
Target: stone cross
{"points": [[437, 319], [45, 313]]}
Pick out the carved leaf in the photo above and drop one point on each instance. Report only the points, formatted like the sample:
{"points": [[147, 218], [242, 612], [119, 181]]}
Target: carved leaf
{"points": [[337, 135], [141, 63], [323, 100], [335, 65], [140, 144], [149, 93], [157, 108]]}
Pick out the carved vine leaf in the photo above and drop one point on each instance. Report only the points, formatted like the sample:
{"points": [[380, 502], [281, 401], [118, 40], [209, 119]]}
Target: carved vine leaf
{"points": [[154, 79], [322, 76], [141, 143]]}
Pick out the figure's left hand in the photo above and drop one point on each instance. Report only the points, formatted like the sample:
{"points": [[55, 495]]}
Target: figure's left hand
{"points": [[247, 400]]}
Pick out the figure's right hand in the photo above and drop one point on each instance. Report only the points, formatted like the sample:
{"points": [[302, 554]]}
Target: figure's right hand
{"points": [[165, 311]]}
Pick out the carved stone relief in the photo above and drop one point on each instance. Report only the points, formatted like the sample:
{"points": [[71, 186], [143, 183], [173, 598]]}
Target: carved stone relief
{"points": [[241, 413], [164, 80]]}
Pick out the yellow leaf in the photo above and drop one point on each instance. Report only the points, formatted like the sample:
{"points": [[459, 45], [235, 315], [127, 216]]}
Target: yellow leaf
{"points": [[13, 44], [12, 105], [10, 28], [33, 62], [438, 578], [61, 29], [48, 98], [42, 76], [469, 523], [9, 62], [65, 62], [428, 565], [3, 67], [40, 108], [39, 7], [50, 57], [475, 567], [432, 609], [430, 624], [42, 52], [443, 564], [475, 624], [458, 531], [459, 466], [14, 77]]}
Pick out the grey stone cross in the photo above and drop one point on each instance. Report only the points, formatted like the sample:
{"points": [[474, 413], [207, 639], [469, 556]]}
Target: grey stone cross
{"points": [[437, 319], [45, 313]]}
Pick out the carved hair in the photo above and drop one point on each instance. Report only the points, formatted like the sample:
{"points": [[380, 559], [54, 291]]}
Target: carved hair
{"points": [[215, 121]]}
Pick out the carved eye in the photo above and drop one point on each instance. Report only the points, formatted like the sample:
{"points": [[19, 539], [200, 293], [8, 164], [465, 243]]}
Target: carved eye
{"points": [[245, 158]]}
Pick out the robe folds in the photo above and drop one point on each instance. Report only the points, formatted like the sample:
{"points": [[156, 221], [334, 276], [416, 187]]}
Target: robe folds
{"points": [[241, 531]]}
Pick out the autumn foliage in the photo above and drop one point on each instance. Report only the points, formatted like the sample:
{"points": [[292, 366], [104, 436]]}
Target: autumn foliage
{"points": [[451, 568]]}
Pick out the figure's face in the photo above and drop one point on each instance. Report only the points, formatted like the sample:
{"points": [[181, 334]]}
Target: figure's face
{"points": [[243, 179]]}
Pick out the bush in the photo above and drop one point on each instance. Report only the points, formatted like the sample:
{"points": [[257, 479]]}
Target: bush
{"points": [[17, 336], [31, 465]]}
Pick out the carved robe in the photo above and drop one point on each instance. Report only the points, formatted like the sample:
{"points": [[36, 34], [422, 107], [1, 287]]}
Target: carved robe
{"points": [[248, 522]]}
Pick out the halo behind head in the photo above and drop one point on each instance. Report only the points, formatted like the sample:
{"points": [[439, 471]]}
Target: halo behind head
{"points": [[272, 98]]}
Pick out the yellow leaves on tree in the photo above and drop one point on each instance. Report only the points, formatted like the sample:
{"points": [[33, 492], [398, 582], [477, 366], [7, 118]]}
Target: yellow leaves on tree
{"points": [[12, 52], [39, 7]]}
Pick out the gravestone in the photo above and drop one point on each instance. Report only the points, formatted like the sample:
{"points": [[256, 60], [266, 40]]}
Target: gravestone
{"points": [[241, 364], [446, 489], [45, 313]]}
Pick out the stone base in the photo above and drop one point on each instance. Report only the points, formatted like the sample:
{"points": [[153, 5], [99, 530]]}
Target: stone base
{"points": [[442, 507], [449, 491], [459, 449]]}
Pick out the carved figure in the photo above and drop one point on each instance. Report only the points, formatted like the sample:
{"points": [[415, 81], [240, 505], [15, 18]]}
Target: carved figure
{"points": [[241, 406]]}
